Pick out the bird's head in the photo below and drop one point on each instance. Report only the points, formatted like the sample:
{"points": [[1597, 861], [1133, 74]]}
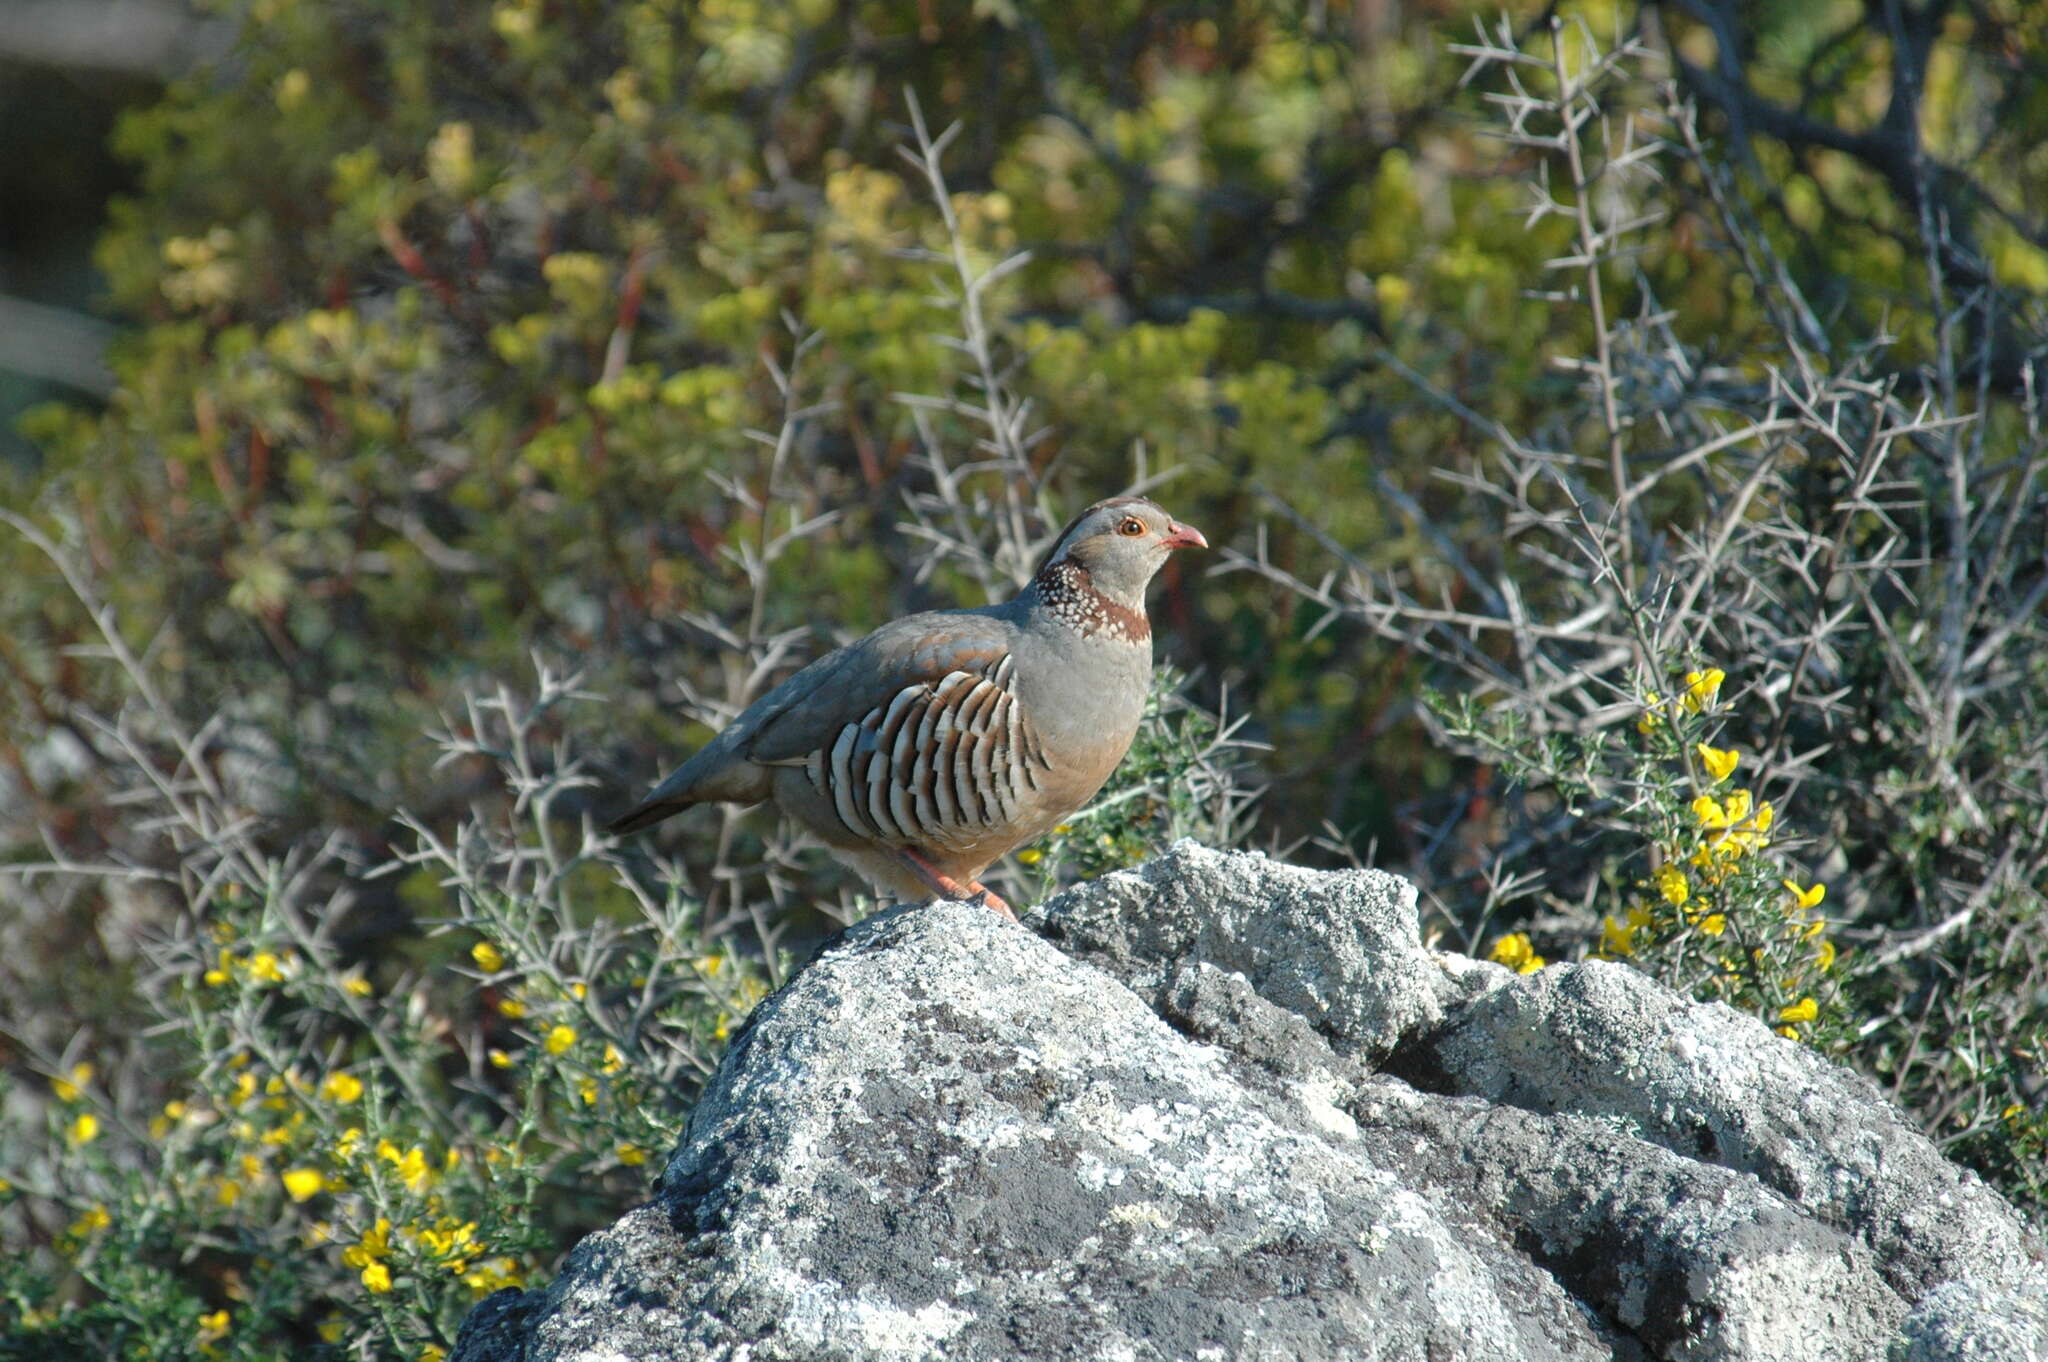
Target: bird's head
{"points": [[1121, 544]]}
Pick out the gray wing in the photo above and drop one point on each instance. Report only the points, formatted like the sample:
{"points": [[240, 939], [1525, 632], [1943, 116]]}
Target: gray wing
{"points": [[936, 754], [852, 688], [806, 713]]}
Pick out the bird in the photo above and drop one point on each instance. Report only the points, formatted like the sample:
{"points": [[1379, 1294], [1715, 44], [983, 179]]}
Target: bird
{"points": [[924, 752]]}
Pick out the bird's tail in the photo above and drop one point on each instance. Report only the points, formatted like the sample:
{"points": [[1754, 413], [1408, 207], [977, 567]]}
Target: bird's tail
{"points": [[712, 776], [646, 814]]}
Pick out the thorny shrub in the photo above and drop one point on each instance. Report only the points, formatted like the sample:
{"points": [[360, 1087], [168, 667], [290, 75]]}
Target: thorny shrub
{"points": [[1751, 625]]}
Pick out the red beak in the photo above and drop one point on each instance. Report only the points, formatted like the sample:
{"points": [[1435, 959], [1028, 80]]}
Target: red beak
{"points": [[1181, 536]]}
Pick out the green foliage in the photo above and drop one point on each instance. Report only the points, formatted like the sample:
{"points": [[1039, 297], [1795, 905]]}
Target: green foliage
{"points": [[452, 318]]}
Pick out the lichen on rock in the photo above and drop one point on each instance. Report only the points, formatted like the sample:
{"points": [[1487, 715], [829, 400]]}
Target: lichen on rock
{"points": [[1220, 1107]]}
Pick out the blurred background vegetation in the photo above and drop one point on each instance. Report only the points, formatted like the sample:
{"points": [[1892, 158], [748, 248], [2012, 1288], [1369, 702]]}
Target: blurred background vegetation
{"points": [[366, 350]]}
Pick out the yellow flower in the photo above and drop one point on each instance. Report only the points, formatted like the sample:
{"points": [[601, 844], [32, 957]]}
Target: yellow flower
{"points": [[511, 1008], [1671, 883], [1788, 1033], [433, 1352], [613, 1060], [1805, 1010], [375, 1244], [226, 1191], [1030, 856], [487, 957], [1616, 938], [351, 1141], [1824, 958], [579, 990], [499, 1059], [495, 1275], [1719, 761], [331, 1329], [450, 1243], [560, 1038], [1732, 818], [264, 968], [1807, 898], [85, 1128], [214, 1325], [632, 1155], [341, 1087], [1713, 924], [1517, 952], [1701, 688], [413, 1169], [95, 1218], [377, 1278], [356, 984], [1651, 720], [587, 1090], [2012, 1112], [709, 965], [303, 1184], [67, 1088]]}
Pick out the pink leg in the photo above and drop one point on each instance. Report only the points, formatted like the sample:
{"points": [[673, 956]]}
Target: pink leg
{"points": [[951, 888]]}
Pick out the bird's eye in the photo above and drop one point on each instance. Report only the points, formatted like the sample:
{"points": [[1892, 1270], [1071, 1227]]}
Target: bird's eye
{"points": [[1132, 526]]}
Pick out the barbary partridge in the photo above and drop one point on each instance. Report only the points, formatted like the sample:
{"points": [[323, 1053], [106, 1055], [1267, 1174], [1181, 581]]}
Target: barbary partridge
{"points": [[925, 751]]}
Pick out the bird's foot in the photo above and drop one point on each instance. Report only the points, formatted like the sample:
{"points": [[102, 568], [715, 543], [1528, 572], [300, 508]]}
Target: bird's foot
{"points": [[988, 898], [948, 887]]}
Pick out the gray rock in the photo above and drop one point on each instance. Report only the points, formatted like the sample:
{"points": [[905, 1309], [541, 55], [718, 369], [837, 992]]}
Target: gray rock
{"points": [[949, 1138], [1337, 949], [1968, 1322], [1706, 1082]]}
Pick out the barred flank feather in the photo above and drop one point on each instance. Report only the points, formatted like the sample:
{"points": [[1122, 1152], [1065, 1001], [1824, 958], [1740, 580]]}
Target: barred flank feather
{"points": [[942, 762]]}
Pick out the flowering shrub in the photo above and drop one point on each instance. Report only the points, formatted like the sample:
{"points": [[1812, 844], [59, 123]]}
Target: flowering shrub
{"points": [[1715, 909], [338, 1157]]}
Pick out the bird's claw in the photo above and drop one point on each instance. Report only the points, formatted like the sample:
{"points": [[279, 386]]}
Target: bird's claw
{"points": [[984, 897]]}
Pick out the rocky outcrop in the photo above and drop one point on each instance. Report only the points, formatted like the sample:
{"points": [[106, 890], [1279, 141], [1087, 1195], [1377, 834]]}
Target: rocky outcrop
{"points": [[1225, 1108]]}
